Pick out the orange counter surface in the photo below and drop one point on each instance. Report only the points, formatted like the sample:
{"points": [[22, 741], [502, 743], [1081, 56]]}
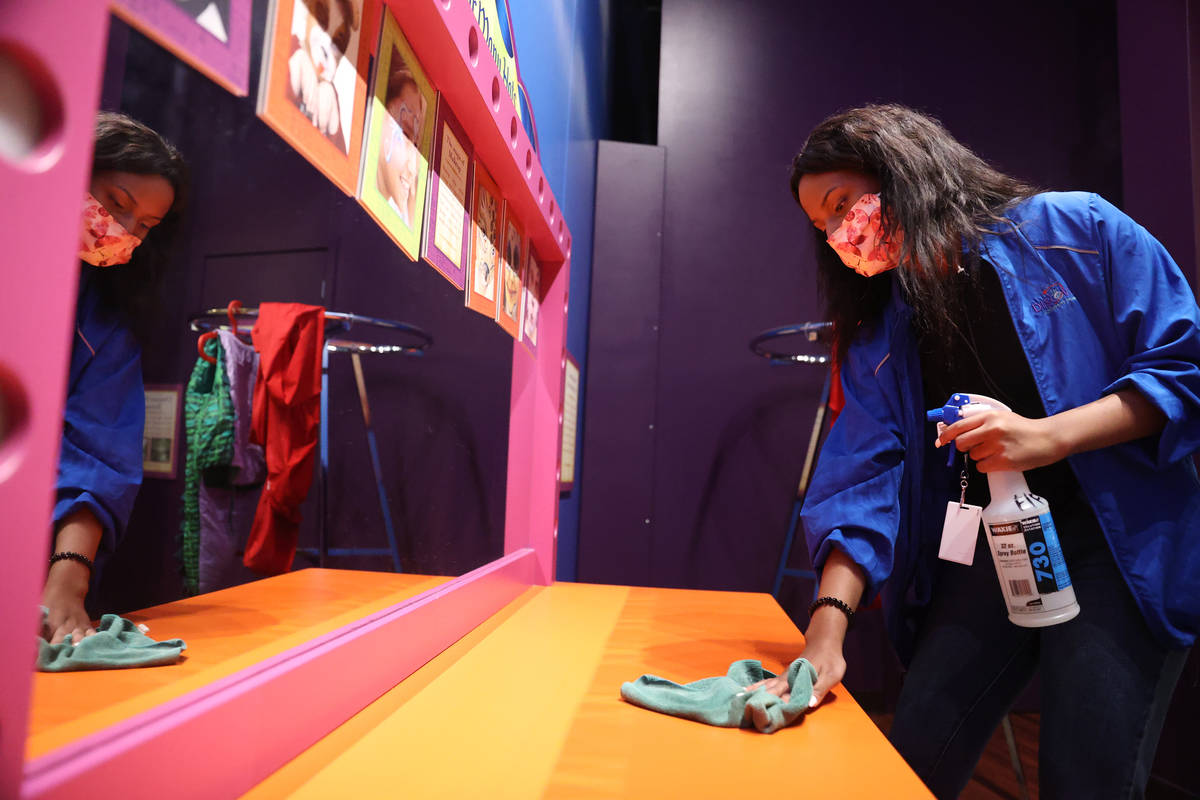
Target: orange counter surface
{"points": [[225, 632], [527, 705]]}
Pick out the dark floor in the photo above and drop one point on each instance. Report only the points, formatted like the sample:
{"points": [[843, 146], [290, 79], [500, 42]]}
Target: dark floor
{"points": [[995, 778]]}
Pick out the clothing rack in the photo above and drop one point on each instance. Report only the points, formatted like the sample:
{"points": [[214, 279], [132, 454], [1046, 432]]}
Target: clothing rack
{"points": [[337, 323], [818, 333]]}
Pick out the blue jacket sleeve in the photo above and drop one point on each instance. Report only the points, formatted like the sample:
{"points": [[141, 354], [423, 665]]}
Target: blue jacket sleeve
{"points": [[853, 502], [100, 464], [1156, 315]]}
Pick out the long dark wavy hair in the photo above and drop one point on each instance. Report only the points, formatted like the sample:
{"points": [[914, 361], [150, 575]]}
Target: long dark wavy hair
{"points": [[123, 144], [941, 196]]}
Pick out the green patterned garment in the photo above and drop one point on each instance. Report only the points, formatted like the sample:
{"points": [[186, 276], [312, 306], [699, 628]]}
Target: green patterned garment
{"points": [[208, 416]]}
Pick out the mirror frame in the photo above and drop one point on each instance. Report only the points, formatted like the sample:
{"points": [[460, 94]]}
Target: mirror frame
{"points": [[61, 44]]}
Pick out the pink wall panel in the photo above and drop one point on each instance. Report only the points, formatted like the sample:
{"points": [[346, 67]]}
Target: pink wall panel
{"points": [[42, 200], [40, 203]]}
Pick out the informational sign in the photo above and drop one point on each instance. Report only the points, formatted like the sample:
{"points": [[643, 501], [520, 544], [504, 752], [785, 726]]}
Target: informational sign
{"points": [[160, 438], [445, 243], [570, 422]]}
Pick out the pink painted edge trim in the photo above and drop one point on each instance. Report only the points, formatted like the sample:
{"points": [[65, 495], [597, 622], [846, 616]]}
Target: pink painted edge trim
{"points": [[199, 722]]}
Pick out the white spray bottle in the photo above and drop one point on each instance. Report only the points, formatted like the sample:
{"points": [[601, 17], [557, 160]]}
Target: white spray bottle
{"points": [[1020, 533]]}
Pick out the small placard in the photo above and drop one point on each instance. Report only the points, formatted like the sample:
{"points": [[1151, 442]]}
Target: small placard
{"points": [[960, 532], [160, 436], [570, 423]]}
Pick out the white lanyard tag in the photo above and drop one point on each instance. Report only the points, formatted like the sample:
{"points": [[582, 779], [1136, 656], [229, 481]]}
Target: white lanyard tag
{"points": [[960, 532]]}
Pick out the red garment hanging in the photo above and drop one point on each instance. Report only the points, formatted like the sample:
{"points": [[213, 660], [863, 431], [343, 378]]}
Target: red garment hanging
{"points": [[286, 419], [837, 400]]}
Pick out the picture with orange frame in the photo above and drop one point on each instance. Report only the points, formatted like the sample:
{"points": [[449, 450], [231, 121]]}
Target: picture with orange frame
{"points": [[314, 87], [531, 303], [512, 261], [486, 228]]}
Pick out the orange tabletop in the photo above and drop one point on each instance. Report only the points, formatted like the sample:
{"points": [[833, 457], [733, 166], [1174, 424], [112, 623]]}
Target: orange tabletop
{"points": [[225, 631], [528, 705]]}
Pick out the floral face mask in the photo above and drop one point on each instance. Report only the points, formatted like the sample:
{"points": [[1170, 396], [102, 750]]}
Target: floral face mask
{"points": [[859, 242], [105, 241]]}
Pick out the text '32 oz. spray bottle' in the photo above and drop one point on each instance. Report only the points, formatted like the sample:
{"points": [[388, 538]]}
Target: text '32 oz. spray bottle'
{"points": [[1020, 534]]}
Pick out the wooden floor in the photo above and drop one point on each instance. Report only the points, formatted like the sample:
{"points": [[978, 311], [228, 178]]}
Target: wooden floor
{"points": [[994, 777]]}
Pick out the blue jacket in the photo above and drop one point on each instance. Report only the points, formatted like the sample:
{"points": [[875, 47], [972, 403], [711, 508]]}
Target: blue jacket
{"points": [[100, 463], [1098, 306]]}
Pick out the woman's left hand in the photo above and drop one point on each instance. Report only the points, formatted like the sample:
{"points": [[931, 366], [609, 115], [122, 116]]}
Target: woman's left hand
{"points": [[999, 440]]}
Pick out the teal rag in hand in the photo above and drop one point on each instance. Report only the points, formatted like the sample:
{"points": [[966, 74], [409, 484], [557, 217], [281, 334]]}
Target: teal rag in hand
{"points": [[116, 644], [723, 701]]}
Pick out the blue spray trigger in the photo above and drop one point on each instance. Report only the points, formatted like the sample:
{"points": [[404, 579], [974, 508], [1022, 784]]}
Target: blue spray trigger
{"points": [[949, 414]]}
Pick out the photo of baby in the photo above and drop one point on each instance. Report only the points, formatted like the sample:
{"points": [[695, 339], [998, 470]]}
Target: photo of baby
{"points": [[399, 152], [533, 281], [325, 38], [511, 296], [483, 281]]}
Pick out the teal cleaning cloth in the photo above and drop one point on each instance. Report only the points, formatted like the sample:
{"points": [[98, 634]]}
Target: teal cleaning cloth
{"points": [[116, 644], [721, 701]]}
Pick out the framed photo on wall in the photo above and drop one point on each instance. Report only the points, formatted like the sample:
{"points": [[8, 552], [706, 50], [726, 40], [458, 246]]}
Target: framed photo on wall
{"points": [[160, 439], [395, 164], [313, 90], [212, 36], [512, 254], [487, 213], [446, 241], [531, 302]]}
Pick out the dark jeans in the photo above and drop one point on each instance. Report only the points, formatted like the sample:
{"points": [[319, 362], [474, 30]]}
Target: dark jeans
{"points": [[1106, 682]]}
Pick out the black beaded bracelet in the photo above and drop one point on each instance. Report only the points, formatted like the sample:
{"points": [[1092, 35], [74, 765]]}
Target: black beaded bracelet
{"points": [[832, 601], [68, 555]]}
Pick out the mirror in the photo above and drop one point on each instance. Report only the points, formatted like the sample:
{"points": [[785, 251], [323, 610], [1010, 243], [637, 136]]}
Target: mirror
{"points": [[415, 442], [112, 707], [263, 225]]}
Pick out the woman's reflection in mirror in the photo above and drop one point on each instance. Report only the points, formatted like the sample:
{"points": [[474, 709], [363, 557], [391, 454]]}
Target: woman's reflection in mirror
{"points": [[134, 198]]}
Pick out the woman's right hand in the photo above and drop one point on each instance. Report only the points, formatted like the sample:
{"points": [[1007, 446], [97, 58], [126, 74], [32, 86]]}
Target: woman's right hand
{"points": [[841, 578], [823, 649], [63, 596], [824, 652], [67, 581]]}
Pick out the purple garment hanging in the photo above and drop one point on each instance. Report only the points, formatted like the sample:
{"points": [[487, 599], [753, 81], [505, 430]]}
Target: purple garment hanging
{"points": [[228, 501]]}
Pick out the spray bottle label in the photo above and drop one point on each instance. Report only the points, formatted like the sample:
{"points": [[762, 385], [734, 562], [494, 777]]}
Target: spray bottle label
{"points": [[1029, 560]]}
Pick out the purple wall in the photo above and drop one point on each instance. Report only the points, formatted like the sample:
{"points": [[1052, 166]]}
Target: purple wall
{"points": [[1159, 47], [1158, 121], [623, 366]]}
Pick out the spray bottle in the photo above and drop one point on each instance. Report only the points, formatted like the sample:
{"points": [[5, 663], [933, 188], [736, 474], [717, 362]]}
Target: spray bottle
{"points": [[1020, 533]]}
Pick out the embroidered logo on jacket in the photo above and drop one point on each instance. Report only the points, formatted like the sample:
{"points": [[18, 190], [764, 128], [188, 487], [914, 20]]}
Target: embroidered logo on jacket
{"points": [[1051, 298]]}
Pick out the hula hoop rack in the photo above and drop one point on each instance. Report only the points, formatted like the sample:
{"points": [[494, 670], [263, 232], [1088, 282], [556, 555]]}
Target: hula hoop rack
{"points": [[336, 322], [816, 334]]}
